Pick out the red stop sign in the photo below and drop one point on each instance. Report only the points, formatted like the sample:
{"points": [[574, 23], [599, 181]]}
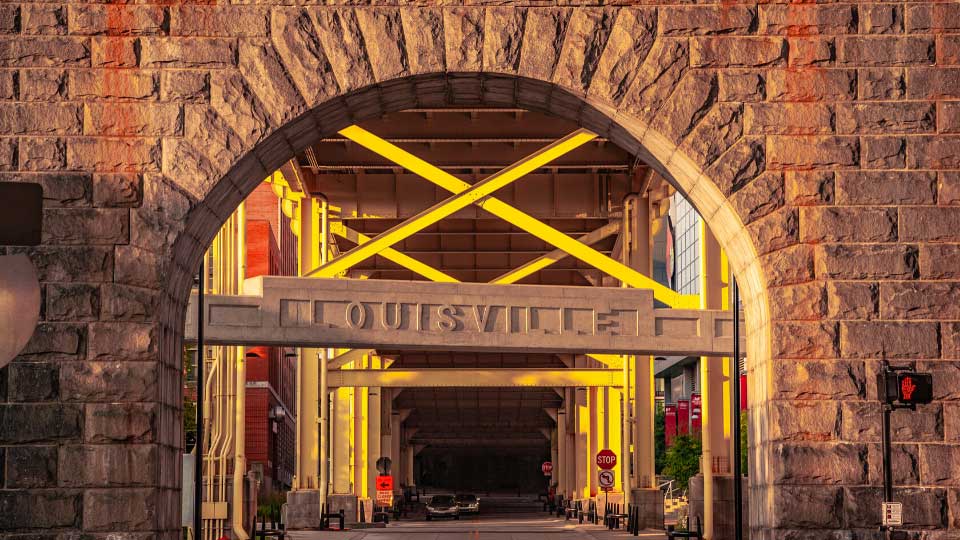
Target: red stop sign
{"points": [[606, 459], [547, 468]]}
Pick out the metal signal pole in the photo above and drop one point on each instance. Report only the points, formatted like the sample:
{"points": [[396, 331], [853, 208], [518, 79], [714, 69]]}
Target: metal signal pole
{"points": [[735, 392], [198, 445]]}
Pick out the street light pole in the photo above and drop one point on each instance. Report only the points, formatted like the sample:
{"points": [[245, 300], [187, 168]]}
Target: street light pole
{"points": [[198, 446]]}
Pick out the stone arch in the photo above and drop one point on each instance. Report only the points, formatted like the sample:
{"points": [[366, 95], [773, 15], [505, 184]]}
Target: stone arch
{"points": [[603, 68]]}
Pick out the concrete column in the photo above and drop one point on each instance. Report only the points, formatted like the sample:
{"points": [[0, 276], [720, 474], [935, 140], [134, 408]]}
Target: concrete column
{"points": [[374, 422], [308, 406], [408, 468], [644, 446], [582, 442], [359, 448], [614, 432], [715, 388], [594, 437], [559, 467], [554, 454], [340, 461]]}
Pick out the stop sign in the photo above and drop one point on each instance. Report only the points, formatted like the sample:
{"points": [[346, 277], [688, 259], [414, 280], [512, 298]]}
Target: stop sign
{"points": [[547, 468], [606, 459]]}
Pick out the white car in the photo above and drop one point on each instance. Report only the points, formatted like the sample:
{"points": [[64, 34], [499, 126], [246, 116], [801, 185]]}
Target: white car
{"points": [[442, 506]]}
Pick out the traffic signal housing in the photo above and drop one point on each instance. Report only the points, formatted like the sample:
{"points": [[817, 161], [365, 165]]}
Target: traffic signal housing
{"points": [[905, 388]]}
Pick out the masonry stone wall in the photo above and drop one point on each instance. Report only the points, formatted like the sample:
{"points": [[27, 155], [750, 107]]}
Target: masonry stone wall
{"points": [[820, 141]]}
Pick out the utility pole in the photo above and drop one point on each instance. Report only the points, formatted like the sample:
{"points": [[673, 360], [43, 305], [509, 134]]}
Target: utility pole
{"points": [[735, 410]]}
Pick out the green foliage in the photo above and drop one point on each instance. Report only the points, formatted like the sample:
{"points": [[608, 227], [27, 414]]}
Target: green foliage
{"points": [[682, 459], [660, 438], [743, 442], [269, 506]]}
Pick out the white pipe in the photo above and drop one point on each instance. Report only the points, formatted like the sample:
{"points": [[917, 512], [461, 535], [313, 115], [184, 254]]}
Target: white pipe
{"points": [[239, 447]]}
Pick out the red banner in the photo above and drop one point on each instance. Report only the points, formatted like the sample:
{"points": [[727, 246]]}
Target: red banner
{"points": [[743, 392], [683, 416], [670, 423], [696, 408]]}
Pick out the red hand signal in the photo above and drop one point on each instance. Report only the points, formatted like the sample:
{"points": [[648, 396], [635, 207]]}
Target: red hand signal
{"points": [[907, 387]]}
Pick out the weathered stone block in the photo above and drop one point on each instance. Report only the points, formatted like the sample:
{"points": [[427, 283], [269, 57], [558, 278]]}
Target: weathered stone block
{"points": [[785, 152], [692, 101], [114, 155], [226, 21], [939, 463], [808, 379], [807, 19], [830, 464], [630, 41], [42, 154], [852, 300], [43, 85], [71, 263], [930, 224], [119, 509], [886, 118], [742, 86], [108, 381], [52, 338], [837, 224], [901, 187], [886, 51], [776, 231], [133, 119], [658, 76], [904, 463], [808, 507], [920, 300], [739, 166], [72, 302], [707, 20], [10, 19], [808, 188], [940, 261], [124, 303], [794, 264], [808, 52], [951, 422], [108, 465], [39, 423], [59, 189], [738, 52], [89, 226], [880, 18], [803, 302], [866, 261], [933, 83], [115, 52], [30, 381], [43, 19], [811, 85], [120, 422], [31, 466], [876, 339], [946, 376], [191, 86], [23, 509], [922, 508], [805, 340], [118, 20], [44, 52], [117, 189], [882, 83], [8, 154], [788, 118], [139, 267], [933, 18], [108, 83], [862, 423], [9, 84], [121, 341], [883, 152]]}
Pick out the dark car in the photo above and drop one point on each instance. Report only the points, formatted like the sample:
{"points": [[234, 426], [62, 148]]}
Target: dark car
{"points": [[442, 506], [468, 503]]}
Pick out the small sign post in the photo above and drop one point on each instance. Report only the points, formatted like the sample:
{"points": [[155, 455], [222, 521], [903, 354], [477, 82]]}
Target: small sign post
{"points": [[606, 459], [547, 468], [606, 480], [384, 485], [892, 514]]}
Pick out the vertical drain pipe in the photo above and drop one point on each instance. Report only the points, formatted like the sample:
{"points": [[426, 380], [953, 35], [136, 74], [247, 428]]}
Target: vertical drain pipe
{"points": [[240, 393], [735, 392]]}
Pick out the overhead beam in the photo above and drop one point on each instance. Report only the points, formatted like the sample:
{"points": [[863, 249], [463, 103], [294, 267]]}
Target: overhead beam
{"points": [[475, 378], [415, 266], [547, 259], [521, 220], [473, 194]]}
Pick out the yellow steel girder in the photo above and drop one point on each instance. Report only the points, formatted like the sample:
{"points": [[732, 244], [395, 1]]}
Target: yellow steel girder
{"points": [[473, 194], [520, 219]]}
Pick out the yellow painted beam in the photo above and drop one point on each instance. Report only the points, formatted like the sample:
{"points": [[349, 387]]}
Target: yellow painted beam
{"points": [[425, 270], [521, 219], [547, 259], [475, 194], [475, 378]]}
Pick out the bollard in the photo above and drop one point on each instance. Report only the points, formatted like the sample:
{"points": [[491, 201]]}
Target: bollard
{"points": [[363, 513]]}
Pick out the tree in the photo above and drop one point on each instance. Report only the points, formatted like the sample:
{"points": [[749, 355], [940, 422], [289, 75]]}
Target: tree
{"points": [[743, 442], [682, 459], [660, 438]]}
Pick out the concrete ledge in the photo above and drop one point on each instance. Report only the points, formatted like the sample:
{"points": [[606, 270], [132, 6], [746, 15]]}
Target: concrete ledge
{"points": [[650, 503], [303, 510]]}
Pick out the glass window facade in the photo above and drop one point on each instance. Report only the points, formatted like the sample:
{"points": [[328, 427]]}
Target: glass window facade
{"points": [[686, 223]]}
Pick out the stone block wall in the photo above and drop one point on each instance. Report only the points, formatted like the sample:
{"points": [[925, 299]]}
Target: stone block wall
{"points": [[821, 142]]}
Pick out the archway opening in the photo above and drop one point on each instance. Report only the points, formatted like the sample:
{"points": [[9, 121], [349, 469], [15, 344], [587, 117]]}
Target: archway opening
{"points": [[380, 196]]}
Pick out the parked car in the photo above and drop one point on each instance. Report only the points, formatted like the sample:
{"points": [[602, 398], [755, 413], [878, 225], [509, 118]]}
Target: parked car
{"points": [[442, 506], [468, 503]]}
